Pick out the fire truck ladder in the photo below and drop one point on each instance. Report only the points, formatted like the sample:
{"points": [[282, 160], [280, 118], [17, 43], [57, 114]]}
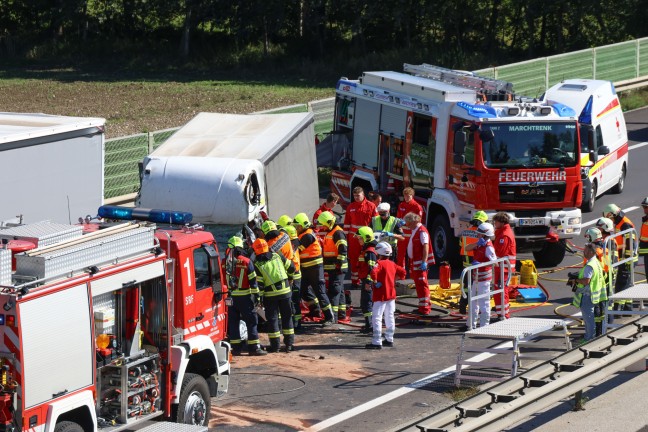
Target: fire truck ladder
{"points": [[464, 79], [567, 374]]}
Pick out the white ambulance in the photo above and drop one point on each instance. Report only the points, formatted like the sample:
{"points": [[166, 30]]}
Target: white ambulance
{"points": [[604, 139]]}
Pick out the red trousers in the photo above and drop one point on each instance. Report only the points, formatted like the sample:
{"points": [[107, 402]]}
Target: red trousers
{"points": [[422, 290]]}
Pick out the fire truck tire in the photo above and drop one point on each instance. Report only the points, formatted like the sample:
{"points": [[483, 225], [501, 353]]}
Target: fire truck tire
{"points": [[68, 426], [195, 403], [588, 204], [551, 254], [444, 243]]}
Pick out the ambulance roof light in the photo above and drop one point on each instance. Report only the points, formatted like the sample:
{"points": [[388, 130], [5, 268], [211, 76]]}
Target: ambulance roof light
{"points": [[150, 215]]}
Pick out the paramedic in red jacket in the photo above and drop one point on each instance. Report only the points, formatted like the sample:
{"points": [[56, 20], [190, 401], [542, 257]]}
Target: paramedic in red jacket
{"points": [[384, 276], [504, 245], [419, 251], [408, 205], [358, 214]]}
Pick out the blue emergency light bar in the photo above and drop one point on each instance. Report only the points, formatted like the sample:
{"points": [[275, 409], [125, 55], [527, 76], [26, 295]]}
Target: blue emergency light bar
{"points": [[150, 215], [479, 111]]}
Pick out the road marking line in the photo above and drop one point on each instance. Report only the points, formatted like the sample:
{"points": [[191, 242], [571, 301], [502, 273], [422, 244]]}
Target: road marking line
{"points": [[397, 393], [636, 146]]}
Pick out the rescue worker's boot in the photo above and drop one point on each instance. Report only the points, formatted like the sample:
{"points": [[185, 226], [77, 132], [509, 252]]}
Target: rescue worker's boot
{"points": [[329, 318], [598, 329], [236, 349], [256, 350], [289, 340], [366, 328], [275, 343], [463, 305]]}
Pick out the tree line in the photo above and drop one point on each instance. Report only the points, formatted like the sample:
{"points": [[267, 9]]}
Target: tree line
{"points": [[457, 33]]}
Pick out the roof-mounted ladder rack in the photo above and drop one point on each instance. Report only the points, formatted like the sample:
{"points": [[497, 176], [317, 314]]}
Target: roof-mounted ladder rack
{"points": [[460, 78]]}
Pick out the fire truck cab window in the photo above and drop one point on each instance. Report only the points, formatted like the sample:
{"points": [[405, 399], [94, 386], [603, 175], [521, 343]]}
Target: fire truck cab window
{"points": [[201, 266]]}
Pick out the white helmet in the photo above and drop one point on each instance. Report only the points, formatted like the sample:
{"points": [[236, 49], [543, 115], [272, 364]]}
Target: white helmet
{"points": [[605, 224], [383, 207], [384, 249], [486, 229]]}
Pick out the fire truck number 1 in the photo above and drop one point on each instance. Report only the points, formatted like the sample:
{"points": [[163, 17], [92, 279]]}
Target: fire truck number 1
{"points": [[186, 265]]}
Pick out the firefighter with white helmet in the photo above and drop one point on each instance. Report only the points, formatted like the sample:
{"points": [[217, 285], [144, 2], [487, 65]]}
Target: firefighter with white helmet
{"points": [[625, 246], [335, 261], [387, 228], [643, 235], [384, 275], [483, 251], [311, 264], [367, 261]]}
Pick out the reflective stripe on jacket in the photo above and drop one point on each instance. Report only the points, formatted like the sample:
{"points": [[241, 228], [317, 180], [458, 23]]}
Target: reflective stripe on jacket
{"points": [[310, 250], [596, 285], [335, 249], [273, 275]]}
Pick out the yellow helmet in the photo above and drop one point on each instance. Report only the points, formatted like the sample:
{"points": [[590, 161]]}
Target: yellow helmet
{"points": [[291, 231], [366, 234], [234, 241], [301, 219], [268, 226], [326, 219], [481, 216], [284, 221]]}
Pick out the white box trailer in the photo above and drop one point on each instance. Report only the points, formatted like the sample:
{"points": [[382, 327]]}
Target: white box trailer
{"points": [[51, 167], [226, 168]]}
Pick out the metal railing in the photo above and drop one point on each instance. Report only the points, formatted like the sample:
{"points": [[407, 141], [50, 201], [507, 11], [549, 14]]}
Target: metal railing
{"points": [[500, 265]]}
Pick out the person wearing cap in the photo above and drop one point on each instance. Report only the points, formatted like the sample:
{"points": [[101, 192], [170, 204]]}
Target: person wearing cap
{"points": [[505, 246], [625, 248], [407, 205], [242, 287], [334, 250], [367, 261], [469, 236], [384, 275], [589, 290], [273, 274], [482, 276], [311, 264], [643, 236], [358, 214], [419, 251], [387, 227]]}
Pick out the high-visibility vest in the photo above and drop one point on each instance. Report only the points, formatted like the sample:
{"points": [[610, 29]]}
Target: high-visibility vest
{"points": [[483, 274], [243, 277], [281, 244], [331, 250], [417, 247], [390, 225], [643, 236], [597, 283], [312, 254], [467, 237], [273, 275]]}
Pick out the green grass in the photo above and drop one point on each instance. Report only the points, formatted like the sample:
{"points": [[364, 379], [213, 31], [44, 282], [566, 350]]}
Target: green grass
{"points": [[633, 99]]}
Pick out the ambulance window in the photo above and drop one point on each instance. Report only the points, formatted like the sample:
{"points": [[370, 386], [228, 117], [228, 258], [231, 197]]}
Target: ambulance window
{"points": [[599, 137], [201, 269]]}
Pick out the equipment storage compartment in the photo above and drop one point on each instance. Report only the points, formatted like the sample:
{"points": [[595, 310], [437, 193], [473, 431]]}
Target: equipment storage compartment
{"points": [[129, 391]]}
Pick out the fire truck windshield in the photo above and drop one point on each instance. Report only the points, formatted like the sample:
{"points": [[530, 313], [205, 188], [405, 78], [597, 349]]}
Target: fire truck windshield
{"points": [[517, 145]]}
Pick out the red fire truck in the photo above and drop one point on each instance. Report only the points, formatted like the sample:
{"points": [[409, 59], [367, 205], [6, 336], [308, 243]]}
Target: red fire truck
{"points": [[464, 143], [106, 325]]}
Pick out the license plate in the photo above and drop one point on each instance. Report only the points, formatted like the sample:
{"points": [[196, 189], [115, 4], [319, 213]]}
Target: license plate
{"points": [[229, 301], [531, 222]]}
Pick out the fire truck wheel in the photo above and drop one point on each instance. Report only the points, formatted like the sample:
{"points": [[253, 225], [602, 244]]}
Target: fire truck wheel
{"points": [[195, 403], [618, 188], [588, 203], [68, 426], [444, 243], [551, 254]]}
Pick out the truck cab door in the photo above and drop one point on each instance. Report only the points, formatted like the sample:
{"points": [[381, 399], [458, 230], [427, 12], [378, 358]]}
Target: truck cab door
{"points": [[203, 298]]}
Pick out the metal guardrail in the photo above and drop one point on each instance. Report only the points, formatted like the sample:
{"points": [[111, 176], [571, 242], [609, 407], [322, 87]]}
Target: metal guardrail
{"points": [[567, 374]]}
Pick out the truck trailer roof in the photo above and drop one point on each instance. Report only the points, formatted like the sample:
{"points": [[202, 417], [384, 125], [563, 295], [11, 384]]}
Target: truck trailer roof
{"points": [[24, 126], [256, 136]]}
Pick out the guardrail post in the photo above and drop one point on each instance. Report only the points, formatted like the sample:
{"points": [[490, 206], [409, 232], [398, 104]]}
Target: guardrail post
{"points": [[638, 62]]}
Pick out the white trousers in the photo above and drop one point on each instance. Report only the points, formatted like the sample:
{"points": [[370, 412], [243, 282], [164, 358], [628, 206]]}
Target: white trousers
{"points": [[379, 308], [481, 307]]}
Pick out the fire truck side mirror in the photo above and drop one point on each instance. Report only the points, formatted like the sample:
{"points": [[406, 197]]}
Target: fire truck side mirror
{"points": [[486, 135], [459, 146]]}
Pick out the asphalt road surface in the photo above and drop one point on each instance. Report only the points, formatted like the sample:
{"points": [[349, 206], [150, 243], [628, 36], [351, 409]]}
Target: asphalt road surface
{"points": [[332, 383]]}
